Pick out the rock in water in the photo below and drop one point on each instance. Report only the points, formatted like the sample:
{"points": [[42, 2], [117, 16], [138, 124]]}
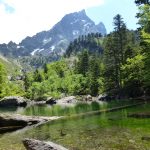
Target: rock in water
{"points": [[50, 101], [88, 98], [16, 121], [13, 101], [67, 101], [31, 144]]}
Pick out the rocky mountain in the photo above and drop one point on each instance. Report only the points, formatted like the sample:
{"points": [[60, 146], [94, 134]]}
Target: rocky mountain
{"points": [[55, 41]]}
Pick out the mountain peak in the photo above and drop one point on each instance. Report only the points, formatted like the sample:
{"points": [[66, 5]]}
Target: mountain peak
{"points": [[55, 41], [82, 12], [101, 27]]}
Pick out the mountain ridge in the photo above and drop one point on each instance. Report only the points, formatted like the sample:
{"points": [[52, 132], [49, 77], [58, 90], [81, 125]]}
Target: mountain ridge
{"points": [[56, 40]]}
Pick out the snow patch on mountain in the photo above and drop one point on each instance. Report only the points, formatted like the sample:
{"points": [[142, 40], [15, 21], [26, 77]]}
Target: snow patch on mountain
{"points": [[45, 41], [52, 48], [34, 51], [75, 32], [75, 21], [40, 50]]}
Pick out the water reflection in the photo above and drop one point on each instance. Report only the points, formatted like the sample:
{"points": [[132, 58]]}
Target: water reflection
{"points": [[58, 110], [17, 110]]}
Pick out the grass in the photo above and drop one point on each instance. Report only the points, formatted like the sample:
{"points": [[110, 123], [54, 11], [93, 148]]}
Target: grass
{"points": [[11, 65]]}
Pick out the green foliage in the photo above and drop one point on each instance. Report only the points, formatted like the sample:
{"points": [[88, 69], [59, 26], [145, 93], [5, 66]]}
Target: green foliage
{"points": [[7, 87], [122, 54], [64, 78], [3, 80], [83, 63], [133, 69], [38, 76], [94, 73], [133, 76], [57, 80], [144, 15], [28, 80]]}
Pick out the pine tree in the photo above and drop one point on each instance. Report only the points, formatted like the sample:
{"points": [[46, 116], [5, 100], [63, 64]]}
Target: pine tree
{"points": [[45, 68], [114, 54], [83, 64], [38, 76], [28, 80], [139, 2], [94, 73]]}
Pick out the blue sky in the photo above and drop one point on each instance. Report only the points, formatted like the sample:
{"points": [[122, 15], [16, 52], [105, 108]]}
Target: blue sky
{"points": [[105, 13], [21, 18]]}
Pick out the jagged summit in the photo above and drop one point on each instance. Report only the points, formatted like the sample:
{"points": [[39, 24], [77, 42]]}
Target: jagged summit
{"points": [[56, 40], [101, 28]]}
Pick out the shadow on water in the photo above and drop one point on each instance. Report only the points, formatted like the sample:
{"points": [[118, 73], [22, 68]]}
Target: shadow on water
{"points": [[11, 110], [8, 109]]}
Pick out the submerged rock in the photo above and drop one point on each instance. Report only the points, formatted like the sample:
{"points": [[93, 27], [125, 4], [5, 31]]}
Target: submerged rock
{"points": [[140, 115], [13, 101], [146, 138], [31, 144]]}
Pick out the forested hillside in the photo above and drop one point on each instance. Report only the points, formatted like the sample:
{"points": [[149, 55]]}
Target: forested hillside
{"points": [[92, 42]]}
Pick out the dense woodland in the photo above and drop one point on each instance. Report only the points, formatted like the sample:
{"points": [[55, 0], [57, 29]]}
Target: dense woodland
{"points": [[117, 65]]}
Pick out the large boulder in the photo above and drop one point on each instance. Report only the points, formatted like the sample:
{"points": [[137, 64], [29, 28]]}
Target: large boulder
{"points": [[13, 101], [31, 144], [9, 122]]}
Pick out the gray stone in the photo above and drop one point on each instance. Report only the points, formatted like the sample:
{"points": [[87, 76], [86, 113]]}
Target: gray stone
{"points": [[16, 121], [32, 144], [88, 98], [13, 101], [67, 101]]}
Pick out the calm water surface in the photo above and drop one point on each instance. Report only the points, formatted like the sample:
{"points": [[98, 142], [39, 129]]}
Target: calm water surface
{"points": [[106, 131]]}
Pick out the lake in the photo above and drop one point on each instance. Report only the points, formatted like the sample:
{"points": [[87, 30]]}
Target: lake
{"points": [[105, 131]]}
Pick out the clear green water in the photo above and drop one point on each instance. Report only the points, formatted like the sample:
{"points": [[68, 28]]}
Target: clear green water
{"points": [[106, 131], [56, 110]]}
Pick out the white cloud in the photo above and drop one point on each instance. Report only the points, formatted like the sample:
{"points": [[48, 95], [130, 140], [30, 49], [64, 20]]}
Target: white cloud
{"points": [[32, 16]]}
